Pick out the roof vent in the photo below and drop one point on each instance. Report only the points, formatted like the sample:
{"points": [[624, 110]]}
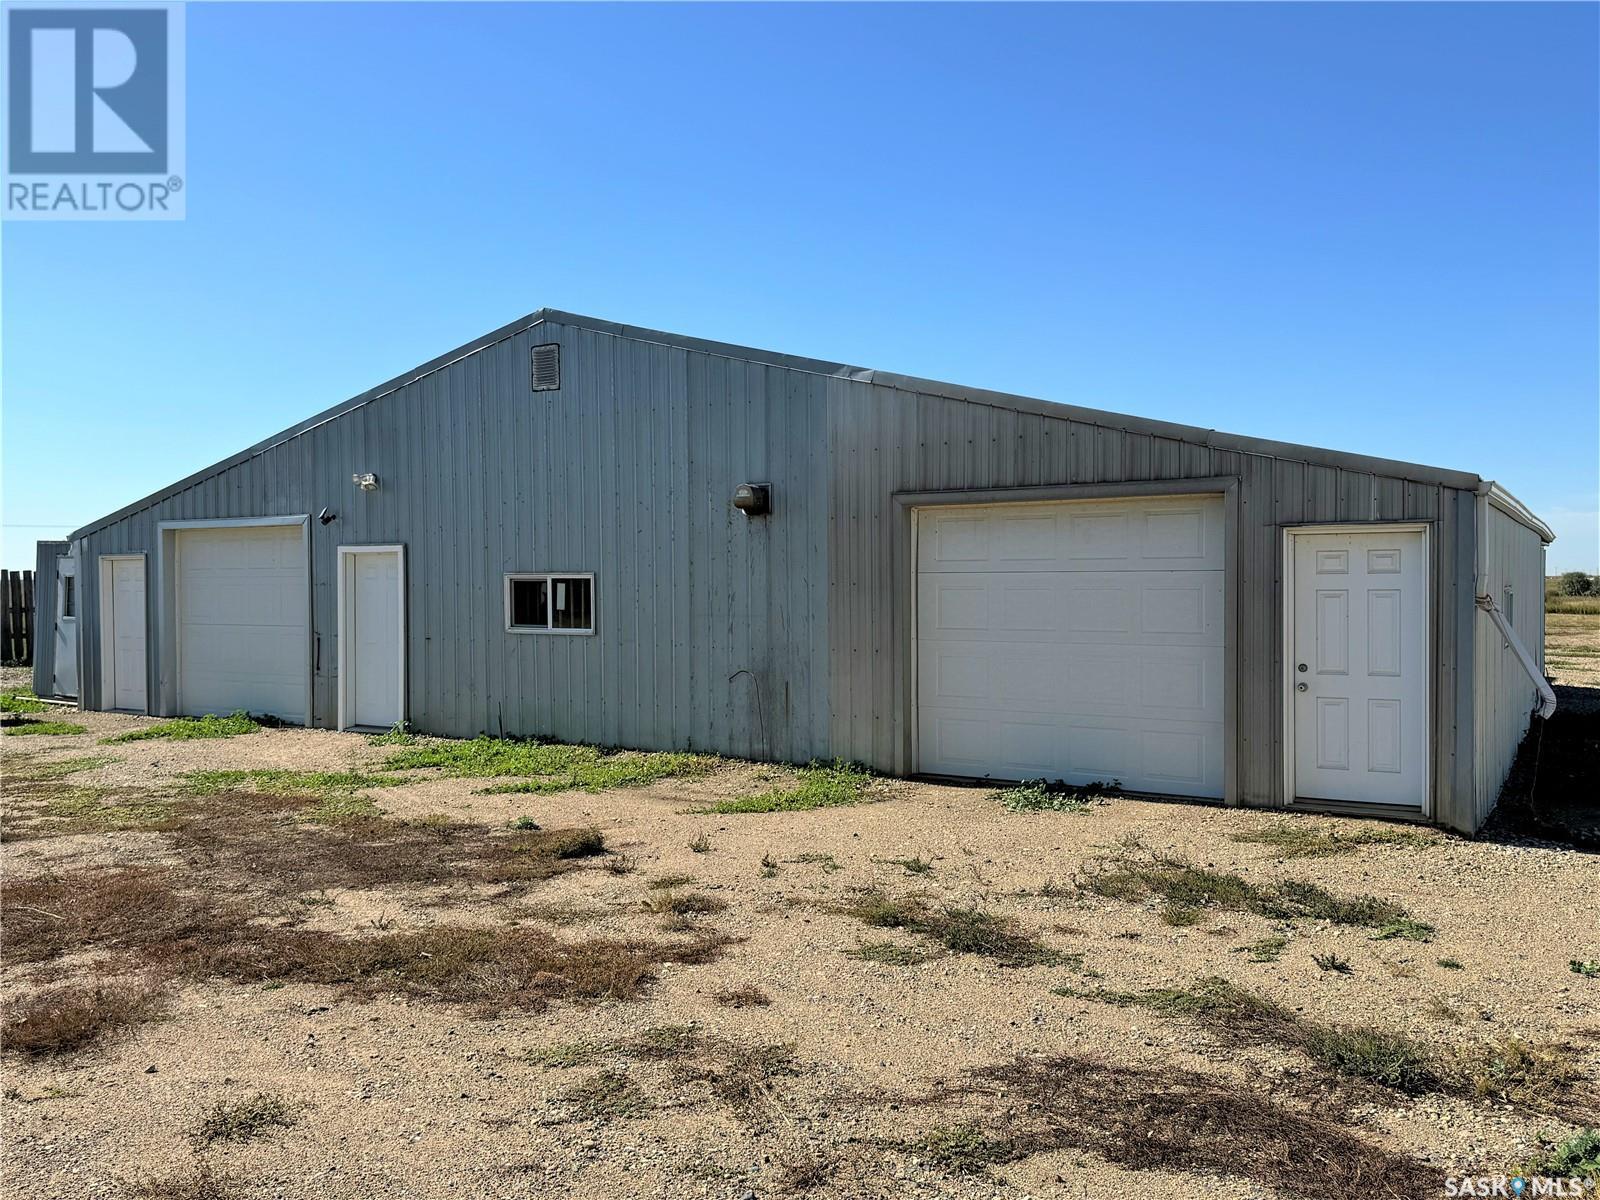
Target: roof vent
{"points": [[547, 367]]}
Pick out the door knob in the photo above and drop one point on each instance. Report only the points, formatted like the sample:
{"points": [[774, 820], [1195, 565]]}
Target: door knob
{"points": [[1300, 687]]}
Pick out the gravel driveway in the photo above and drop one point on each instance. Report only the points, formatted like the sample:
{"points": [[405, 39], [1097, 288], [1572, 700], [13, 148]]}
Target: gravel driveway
{"points": [[785, 1059]]}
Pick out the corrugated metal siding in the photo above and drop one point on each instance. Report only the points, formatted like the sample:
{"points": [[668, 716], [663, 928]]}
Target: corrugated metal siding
{"points": [[1504, 697], [44, 617], [780, 637], [885, 439], [627, 471]]}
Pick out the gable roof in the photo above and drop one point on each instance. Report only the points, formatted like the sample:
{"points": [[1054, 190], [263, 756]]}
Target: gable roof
{"points": [[1188, 433]]}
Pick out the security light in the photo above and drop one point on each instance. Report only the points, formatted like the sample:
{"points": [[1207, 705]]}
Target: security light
{"points": [[753, 499]]}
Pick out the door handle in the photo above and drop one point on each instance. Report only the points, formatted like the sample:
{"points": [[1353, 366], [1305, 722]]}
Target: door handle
{"points": [[1300, 687]]}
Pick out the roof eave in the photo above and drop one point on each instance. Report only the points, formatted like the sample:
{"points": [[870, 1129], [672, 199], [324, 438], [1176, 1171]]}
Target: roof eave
{"points": [[1515, 509]]}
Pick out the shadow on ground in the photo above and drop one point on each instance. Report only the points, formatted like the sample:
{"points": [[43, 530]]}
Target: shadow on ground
{"points": [[1553, 791]]}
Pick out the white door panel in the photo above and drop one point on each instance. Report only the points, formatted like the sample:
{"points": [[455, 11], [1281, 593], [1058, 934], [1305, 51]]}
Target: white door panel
{"points": [[243, 621], [1136, 607], [125, 627], [1180, 534], [374, 629], [1360, 667], [1078, 640]]}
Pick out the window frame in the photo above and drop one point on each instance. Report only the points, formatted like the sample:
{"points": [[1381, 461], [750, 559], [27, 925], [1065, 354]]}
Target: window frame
{"points": [[549, 578]]}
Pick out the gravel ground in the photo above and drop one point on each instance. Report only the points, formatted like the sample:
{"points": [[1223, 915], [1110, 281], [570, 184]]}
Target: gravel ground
{"points": [[401, 1098]]}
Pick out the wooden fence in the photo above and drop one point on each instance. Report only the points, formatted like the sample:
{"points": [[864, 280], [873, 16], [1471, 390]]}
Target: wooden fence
{"points": [[16, 618]]}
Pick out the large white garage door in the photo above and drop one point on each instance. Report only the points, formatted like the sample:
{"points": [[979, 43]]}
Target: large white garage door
{"points": [[243, 636], [1079, 640]]}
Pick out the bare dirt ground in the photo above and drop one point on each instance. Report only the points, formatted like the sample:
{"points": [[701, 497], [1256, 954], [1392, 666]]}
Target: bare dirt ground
{"points": [[953, 1074]]}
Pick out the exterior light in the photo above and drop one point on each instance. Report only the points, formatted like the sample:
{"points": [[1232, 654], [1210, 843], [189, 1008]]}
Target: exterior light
{"points": [[365, 480], [753, 499]]}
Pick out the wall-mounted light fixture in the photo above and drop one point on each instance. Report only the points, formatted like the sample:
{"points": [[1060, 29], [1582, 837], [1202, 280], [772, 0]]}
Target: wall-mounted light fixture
{"points": [[753, 499], [365, 480], [326, 516]]}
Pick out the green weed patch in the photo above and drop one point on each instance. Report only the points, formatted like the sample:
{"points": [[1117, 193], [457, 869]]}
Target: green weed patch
{"points": [[817, 786]]}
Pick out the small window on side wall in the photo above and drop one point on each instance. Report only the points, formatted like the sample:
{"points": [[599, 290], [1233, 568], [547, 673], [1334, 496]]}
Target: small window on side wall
{"points": [[549, 603]]}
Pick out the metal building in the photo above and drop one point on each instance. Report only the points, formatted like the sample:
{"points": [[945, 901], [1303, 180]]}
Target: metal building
{"points": [[594, 532]]}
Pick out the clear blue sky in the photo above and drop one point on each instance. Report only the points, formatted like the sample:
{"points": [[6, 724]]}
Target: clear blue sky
{"points": [[1371, 227]]}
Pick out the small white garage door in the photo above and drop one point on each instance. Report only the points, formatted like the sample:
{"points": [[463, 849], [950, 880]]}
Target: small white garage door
{"points": [[243, 621], [1078, 640]]}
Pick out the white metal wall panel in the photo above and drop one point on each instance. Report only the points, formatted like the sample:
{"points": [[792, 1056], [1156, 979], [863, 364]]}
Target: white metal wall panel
{"points": [[1078, 640], [1512, 571]]}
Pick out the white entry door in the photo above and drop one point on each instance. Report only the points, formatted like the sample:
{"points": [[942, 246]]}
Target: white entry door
{"points": [[244, 621], [372, 636], [1360, 667], [1080, 640], [64, 680], [122, 631]]}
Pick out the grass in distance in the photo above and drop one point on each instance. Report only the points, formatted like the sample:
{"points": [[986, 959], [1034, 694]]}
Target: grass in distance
{"points": [[1181, 885], [90, 810], [816, 786], [1158, 1119], [607, 1096], [548, 766], [141, 917], [183, 729], [32, 769], [21, 727], [1392, 1060], [33, 783], [959, 930], [963, 1149], [1539, 1075], [733, 1073], [1267, 949], [914, 865], [746, 996], [246, 1120], [1042, 795], [339, 793], [202, 1183], [65, 1019], [683, 904], [1555, 602], [1308, 839], [893, 954], [1576, 1158], [21, 701]]}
